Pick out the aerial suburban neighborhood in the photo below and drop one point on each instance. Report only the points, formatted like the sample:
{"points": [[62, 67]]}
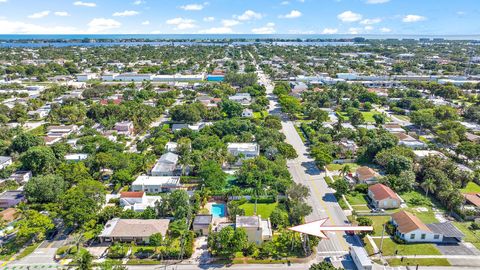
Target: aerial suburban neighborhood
{"points": [[151, 152]]}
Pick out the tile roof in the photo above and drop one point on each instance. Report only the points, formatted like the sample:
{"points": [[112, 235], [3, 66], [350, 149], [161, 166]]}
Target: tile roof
{"points": [[364, 173], [408, 222], [381, 192], [473, 198], [135, 227], [132, 194]]}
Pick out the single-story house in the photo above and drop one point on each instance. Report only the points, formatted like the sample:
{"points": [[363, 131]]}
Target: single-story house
{"points": [[156, 184], [133, 230], [246, 150], [242, 98], [61, 131], [167, 165], [11, 198], [201, 224], [8, 215], [21, 176], [125, 128], [408, 141], [76, 157], [366, 175], [411, 229], [258, 229], [472, 137], [383, 197], [421, 154], [347, 146], [5, 161], [137, 200], [393, 128]]}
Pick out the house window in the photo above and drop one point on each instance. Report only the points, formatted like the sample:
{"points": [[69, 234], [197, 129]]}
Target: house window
{"points": [[412, 236], [436, 236], [423, 236]]}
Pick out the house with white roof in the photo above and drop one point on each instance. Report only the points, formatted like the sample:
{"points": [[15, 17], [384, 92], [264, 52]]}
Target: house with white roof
{"points": [[242, 98], [258, 230], [245, 150], [156, 184], [137, 200], [167, 165]]}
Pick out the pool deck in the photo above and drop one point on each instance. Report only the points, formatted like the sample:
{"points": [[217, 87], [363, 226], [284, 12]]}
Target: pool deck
{"points": [[217, 220]]}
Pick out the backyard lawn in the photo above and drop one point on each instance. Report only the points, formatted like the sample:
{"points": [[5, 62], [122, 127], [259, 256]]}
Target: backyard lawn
{"points": [[471, 188], [338, 167], [263, 209], [402, 117], [470, 235], [389, 248], [378, 222]]}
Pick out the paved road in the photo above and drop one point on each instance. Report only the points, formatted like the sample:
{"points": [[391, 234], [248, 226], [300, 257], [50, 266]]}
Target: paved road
{"points": [[304, 170]]}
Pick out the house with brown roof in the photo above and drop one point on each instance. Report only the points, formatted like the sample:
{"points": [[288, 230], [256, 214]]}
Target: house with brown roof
{"points": [[471, 206], [411, 229], [383, 197], [137, 200], [366, 175], [409, 141], [136, 230], [8, 215]]}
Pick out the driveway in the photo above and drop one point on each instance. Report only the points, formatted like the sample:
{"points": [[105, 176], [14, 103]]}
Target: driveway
{"points": [[457, 249], [40, 258]]}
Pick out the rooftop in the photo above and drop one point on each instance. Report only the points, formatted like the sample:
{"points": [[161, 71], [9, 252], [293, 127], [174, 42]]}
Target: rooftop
{"points": [[381, 192], [134, 227], [247, 221], [203, 219], [407, 222], [157, 180], [447, 229]]}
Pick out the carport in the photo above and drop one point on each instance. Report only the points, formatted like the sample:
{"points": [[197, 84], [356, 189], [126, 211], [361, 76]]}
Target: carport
{"points": [[450, 233]]}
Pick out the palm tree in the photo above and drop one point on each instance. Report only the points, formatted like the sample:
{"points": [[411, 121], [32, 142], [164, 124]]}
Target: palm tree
{"points": [[77, 239], [345, 170], [428, 185]]}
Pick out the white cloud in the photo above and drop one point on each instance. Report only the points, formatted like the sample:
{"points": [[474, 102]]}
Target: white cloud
{"points": [[368, 28], [61, 13], [354, 30], [85, 4], [370, 21], [138, 2], [230, 23], [182, 23], [125, 13], [267, 29], [39, 15], [145, 22], [17, 27], [330, 31], [97, 25], [3, 1], [216, 30], [156, 32], [461, 13], [413, 18], [284, 3], [292, 14], [377, 1], [249, 15], [385, 30], [209, 19], [194, 7], [349, 16]]}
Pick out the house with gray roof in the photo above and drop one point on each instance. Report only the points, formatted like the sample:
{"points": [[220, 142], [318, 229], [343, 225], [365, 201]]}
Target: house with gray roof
{"points": [[167, 165], [133, 230]]}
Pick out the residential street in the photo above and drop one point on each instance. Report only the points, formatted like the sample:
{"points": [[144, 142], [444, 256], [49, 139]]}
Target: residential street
{"points": [[304, 171]]}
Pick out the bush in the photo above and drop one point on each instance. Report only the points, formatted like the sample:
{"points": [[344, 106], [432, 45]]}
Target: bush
{"points": [[62, 250], [117, 251], [362, 188], [474, 226]]}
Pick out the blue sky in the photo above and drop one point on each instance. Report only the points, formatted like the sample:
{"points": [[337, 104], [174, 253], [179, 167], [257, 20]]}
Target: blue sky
{"points": [[441, 17]]}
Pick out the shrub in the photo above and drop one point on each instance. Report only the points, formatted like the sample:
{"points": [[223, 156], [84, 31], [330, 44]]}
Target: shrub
{"points": [[474, 226]]}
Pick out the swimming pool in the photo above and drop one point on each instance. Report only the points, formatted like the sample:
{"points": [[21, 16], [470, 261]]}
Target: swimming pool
{"points": [[218, 210]]}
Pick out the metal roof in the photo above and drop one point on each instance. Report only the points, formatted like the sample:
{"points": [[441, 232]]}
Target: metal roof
{"points": [[447, 229]]}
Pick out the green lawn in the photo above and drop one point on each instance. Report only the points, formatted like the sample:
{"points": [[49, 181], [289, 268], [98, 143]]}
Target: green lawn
{"points": [[368, 116], [263, 209], [423, 262], [360, 198], [27, 251], [470, 235], [361, 208], [260, 115], [471, 188], [378, 222], [338, 167], [389, 248]]}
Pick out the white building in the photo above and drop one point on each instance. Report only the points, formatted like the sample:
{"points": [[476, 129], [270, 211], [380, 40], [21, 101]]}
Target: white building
{"points": [[258, 230], [75, 157], [167, 165], [137, 200], [156, 184], [247, 113], [86, 77], [5, 162], [242, 98], [360, 258], [247, 150]]}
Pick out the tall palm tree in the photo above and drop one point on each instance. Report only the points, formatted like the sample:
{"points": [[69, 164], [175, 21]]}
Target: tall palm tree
{"points": [[345, 170], [428, 185]]}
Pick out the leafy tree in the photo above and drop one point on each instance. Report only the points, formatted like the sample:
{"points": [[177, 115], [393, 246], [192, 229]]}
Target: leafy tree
{"points": [[380, 119], [84, 260], [341, 186], [33, 224], [290, 105], [44, 189], [25, 141], [322, 155], [323, 266], [227, 241], [279, 218], [81, 203], [39, 159], [212, 174], [231, 108], [424, 118]]}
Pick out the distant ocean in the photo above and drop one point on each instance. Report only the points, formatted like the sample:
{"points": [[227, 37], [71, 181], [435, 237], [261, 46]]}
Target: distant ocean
{"points": [[33, 41]]}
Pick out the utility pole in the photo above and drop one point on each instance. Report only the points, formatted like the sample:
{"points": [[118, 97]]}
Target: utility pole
{"points": [[381, 242]]}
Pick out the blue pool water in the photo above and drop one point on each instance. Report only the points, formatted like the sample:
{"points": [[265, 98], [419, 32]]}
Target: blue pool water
{"points": [[218, 210]]}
